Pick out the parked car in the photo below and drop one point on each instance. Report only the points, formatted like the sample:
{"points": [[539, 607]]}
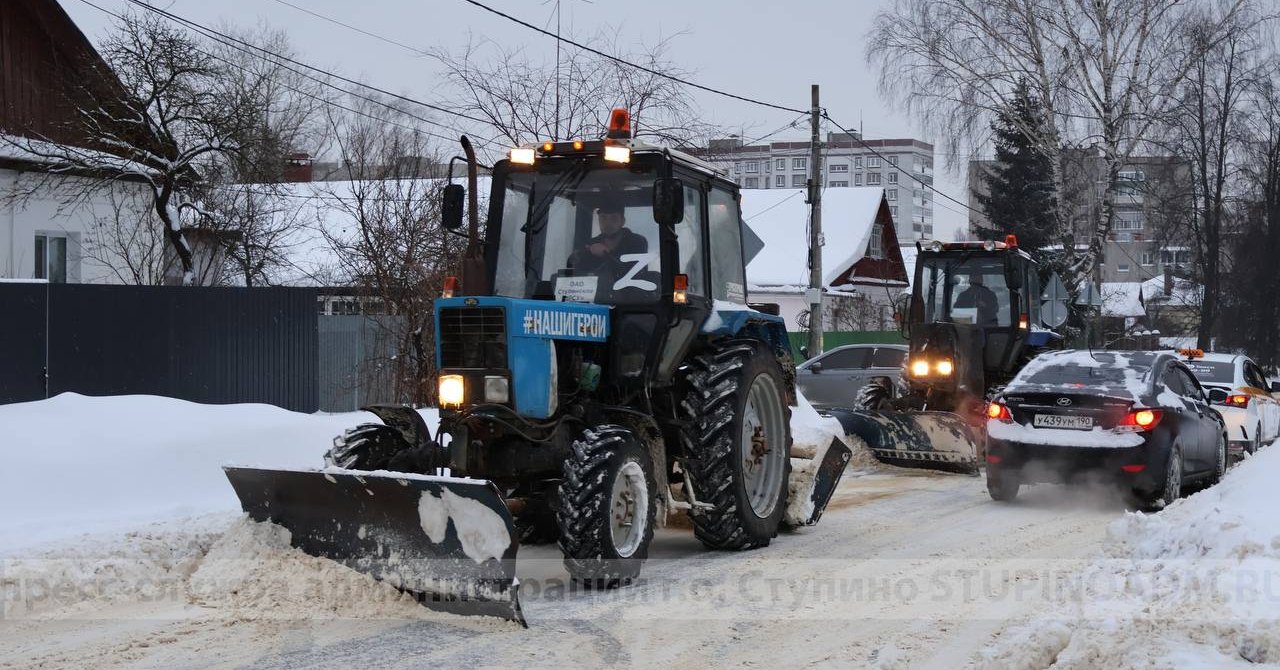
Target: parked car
{"points": [[833, 378], [1239, 390], [1137, 418]]}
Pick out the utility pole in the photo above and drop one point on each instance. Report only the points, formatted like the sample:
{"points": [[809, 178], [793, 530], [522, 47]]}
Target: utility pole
{"points": [[814, 294]]}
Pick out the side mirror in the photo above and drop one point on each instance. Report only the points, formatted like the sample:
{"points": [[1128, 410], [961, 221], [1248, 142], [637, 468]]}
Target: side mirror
{"points": [[815, 367], [668, 201], [804, 352], [1275, 387], [452, 202], [1218, 396]]}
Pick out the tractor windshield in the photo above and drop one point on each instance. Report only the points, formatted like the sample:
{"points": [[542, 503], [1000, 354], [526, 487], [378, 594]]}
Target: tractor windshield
{"points": [[577, 232], [967, 289]]}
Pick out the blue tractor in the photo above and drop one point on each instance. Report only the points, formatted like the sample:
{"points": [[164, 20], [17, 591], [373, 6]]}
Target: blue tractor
{"points": [[599, 368]]}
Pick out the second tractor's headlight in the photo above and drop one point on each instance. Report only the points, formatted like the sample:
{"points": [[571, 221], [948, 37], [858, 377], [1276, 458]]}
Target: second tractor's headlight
{"points": [[920, 368], [496, 389], [453, 391], [945, 367], [617, 154]]}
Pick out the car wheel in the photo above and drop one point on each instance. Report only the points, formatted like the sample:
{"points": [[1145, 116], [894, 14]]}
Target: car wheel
{"points": [[1220, 461], [1002, 486], [1256, 443], [1169, 490]]}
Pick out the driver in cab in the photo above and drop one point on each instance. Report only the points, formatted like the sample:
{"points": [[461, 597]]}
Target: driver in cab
{"points": [[977, 296], [614, 241]]}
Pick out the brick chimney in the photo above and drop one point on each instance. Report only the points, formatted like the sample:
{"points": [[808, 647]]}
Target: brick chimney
{"points": [[1168, 281], [297, 167]]}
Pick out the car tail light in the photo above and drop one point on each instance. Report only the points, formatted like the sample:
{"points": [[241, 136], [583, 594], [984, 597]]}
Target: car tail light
{"points": [[1237, 400], [999, 412], [1134, 468], [993, 459], [1142, 419]]}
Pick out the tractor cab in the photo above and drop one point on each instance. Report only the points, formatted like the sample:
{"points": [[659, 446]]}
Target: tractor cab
{"points": [[973, 309]]}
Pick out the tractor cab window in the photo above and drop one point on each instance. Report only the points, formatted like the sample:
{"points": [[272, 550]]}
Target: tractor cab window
{"points": [[728, 274], [689, 240], [967, 290], [578, 234]]}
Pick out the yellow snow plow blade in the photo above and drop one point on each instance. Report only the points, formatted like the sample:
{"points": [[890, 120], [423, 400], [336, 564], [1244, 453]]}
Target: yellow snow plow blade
{"points": [[914, 439]]}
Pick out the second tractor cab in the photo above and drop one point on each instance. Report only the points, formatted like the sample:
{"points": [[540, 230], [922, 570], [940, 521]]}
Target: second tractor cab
{"points": [[973, 321], [599, 366]]}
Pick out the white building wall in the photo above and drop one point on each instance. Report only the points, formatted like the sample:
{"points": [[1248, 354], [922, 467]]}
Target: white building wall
{"points": [[54, 211]]}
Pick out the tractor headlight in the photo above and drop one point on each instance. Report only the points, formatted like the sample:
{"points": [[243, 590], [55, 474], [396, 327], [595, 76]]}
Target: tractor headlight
{"points": [[453, 390], [496, 389], [522, 155], [920, 368], [617, 154], [944, 367]]}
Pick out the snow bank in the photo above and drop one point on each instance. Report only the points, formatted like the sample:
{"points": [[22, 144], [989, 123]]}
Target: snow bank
{"points": [[75, 464], [1197, 584]]}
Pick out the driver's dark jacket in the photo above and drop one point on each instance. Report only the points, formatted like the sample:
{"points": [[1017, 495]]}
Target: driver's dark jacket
{"points": [[984, 299], [626, 242]]}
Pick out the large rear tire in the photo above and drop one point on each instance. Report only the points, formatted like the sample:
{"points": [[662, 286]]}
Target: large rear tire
{"points": [[876, 395], [737, 442], [606, 508]]}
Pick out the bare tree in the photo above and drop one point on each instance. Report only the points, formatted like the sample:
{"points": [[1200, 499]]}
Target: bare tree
{"points": [[385, 229], [1105, 72], [172, 120], [525, 101]]}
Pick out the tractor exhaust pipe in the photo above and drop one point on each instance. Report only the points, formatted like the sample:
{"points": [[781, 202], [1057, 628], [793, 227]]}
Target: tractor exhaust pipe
{"points": [[474, 277]]}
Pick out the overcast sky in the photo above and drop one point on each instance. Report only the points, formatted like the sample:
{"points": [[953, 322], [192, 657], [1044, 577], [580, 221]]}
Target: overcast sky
{"points": [[766, 50]]}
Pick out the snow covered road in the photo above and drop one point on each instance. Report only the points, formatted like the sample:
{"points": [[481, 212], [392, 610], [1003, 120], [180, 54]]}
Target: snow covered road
{"points": [[905, 569]]}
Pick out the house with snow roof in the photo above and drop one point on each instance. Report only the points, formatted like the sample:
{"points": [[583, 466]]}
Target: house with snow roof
{"points": [[863, 273], [1164, 306]]}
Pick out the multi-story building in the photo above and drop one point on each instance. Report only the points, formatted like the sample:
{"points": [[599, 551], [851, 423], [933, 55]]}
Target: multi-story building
{"points": [[903, 167], [1148, 231]]}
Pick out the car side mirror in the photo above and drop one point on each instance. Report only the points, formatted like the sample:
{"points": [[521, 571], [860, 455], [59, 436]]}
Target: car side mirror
{"points": [[668, 201], [815, 367], [1217, 396], [1275, 387], [452, 202]]}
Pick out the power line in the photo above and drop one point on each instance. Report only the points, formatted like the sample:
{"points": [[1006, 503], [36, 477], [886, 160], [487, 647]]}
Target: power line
{"points": [[627, 63], [225, 38], [327, 84], [897, 167], [336, 22]]}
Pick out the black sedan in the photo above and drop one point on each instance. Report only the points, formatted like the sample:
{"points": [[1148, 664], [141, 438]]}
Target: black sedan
{"points": [[1137, 418]]}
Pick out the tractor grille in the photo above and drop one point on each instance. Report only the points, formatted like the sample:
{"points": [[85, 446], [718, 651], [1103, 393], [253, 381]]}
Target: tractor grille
{"points": [[473, 337]]}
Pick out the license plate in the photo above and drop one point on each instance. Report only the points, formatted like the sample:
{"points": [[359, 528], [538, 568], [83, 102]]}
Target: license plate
{"points": [[1060, 421]]}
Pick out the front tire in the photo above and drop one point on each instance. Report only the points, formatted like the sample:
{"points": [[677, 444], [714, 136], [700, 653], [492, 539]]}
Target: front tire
{"points": [[737, 442], [876, 395], [606, 508], [375, 446]]}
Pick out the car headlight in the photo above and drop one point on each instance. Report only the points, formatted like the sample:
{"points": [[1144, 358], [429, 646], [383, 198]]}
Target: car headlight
{"points": [[944, 367], [496, 389], [920, 368], [453, 390]]}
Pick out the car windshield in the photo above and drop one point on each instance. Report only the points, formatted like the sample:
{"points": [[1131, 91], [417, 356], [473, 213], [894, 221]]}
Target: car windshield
{"points": [[1126, 371], [1212, 372], [579, 233], [968, 289]]}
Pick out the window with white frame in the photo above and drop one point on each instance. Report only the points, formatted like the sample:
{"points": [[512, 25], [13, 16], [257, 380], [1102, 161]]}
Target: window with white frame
{"points": [[857, 180], [51, 258], [839, 167], [780, 180], [797, 180], [780, 163], [1122, 267], [893, 211], [891, 194], [857, 161], [752, 182], [1148, 258], [893, 160], [753, 167], [892, 177], [873, 179], [875, 249], [838, 184], [1129, 220], [873, 161], [799, 163]]}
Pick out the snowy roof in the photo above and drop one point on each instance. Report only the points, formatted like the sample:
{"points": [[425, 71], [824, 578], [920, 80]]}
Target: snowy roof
{"points": [[781, 218], [1120, 298], [1185, 292]]}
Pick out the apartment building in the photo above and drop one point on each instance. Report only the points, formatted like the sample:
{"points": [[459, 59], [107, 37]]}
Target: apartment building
{"points": [[903, 167]]}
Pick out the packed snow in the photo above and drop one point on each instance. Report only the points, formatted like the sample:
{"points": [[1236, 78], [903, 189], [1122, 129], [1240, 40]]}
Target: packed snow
{"points": [[1062, 437], [1191, 586]]}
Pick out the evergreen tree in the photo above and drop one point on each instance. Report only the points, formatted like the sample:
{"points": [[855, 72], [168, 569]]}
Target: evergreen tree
{"points": [[1021, 198]]}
